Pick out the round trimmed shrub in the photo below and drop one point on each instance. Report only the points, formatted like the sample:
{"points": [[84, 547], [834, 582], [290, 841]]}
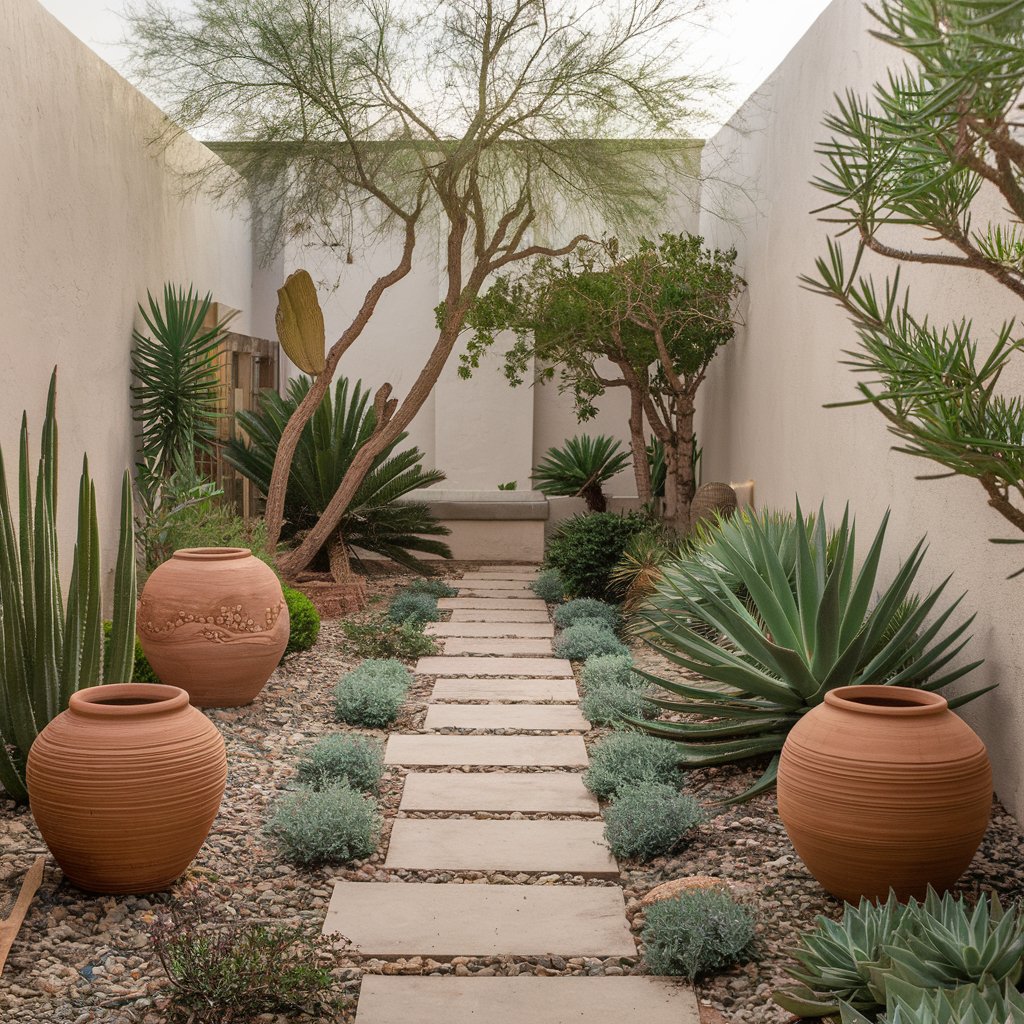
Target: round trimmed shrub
{"points": [[610, 703], [357, 760], [333, 825], [696, 933], [629, 758], [586, 638], [413, 606], [304, 621], [586, 548], [372, 694], [586, 608], [611, 670], [548, 586], [650, 820]]}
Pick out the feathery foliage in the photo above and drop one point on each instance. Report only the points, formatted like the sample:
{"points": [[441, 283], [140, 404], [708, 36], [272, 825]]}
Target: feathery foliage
{"points": [[580, 468]]}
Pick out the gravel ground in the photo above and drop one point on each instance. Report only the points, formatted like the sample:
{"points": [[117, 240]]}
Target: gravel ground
{"points": [[87, 959]]}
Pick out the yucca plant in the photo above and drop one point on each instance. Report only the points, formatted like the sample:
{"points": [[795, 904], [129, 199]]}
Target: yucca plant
{"points": [[375, 520], [50, 647], [579, 469], [793, 639]]}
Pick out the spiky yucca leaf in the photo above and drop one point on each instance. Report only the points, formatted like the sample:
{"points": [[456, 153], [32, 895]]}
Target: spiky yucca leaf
{"points": [[578, 469]]}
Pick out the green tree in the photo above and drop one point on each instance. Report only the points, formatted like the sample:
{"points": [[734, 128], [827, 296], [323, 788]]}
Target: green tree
{"points": [[495, 120], [939, 139]]}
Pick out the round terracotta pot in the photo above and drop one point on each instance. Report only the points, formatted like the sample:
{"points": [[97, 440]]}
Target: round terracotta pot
{"points": [[214, 622], [125, 785], [883, 787]]}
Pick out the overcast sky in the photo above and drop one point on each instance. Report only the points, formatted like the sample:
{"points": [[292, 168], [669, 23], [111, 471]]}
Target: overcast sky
{"points": [[749, 37]]}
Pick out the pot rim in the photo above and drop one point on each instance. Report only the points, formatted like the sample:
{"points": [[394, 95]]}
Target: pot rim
{"points": [[157, 699], [915, 702], [211, 554]]}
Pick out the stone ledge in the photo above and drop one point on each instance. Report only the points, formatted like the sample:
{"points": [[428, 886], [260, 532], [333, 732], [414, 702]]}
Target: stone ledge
{"points": [[491, 506]]}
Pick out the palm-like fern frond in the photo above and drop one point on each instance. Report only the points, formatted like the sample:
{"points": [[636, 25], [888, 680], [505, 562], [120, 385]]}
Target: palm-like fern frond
{"points": [[580, 468]]}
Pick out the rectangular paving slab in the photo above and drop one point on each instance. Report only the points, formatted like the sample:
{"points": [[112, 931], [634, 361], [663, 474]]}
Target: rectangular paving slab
{"points": [[536, 717], [505, 689], [397, 919], [516, 574], [504, 615], [486, 583], [521, 630], [494, 604], [513, 646], [440, 665], [486, 751], [485, 593], [461, 844], [525, 1000], [529, 792]]}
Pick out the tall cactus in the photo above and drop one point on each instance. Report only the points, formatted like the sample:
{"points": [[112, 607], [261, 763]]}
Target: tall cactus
{"points": [[49, 648], [300, 323]]}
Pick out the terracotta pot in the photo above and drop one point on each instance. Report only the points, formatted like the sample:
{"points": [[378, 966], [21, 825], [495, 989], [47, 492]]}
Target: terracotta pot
{"points": [[214, 622], [884, 787], [125, 785]]}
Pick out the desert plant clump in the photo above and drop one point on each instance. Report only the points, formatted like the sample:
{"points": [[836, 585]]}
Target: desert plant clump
{"points": [[629, 758], [548, 586], [580, 468], [333, 825], [696, 933], [586, 548], [379, 638], [587, 638], [411, 606], [649, 820], [610, 670], [304, 621], [433, 586], [586, 608], [357, 760], [372, 694], [611, 704]]}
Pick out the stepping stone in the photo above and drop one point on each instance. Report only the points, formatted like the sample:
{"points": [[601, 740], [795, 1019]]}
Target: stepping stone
{"points": [[487, 594], [521, 630], [494, 604], [395, 919], [525, 1000], [505, 689], [487, 751], [514, 573], [505, 616], [484, 583], [530, 792], [460, 844], [512, 646], [440, 665], [538, 717]]}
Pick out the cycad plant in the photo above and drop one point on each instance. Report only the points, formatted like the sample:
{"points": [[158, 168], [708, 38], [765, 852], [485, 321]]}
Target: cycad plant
{"points": [[50, 647], [776, 653], [580, 468], [375, 520]]}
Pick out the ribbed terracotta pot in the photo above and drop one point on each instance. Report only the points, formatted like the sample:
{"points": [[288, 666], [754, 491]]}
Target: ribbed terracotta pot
{"points": [[883, 787], [125, 784], [214, 622]]}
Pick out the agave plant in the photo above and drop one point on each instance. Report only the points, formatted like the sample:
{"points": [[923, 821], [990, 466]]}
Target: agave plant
{"points": [[375, 520], [968, 1004], [50, 647], [795, 637], [580, 468]]}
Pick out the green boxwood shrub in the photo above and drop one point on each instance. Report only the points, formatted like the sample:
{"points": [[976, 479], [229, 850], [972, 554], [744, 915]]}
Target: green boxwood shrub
{"points": [[696, 933], [587, 608], [143, 671], [433, 586], [333, 825], [548, 586], [372, 694], [304, 621], [630, 759], [357, 760], [611, 670], [649, 820], [413, 606], [586, 548], [586, 638]]}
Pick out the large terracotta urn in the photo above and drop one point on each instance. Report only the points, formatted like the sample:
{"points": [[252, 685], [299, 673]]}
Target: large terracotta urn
{"points": [[124, 786], [883, 787], [214, 622]]}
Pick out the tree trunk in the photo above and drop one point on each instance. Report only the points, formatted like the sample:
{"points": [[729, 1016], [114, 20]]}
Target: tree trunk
{"points": [[594, 497], [337, 555], [680, 485], [638, 443]]}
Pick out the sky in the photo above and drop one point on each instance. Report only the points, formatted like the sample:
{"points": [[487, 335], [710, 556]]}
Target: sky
{"points": [[747, 40]]}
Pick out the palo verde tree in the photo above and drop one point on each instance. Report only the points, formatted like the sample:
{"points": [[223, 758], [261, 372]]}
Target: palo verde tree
{"points": [[649, 320], [489, 120], [939, 142]]}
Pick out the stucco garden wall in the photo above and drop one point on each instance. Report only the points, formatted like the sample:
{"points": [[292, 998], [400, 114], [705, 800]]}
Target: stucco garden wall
{"points": [[762, 413]]}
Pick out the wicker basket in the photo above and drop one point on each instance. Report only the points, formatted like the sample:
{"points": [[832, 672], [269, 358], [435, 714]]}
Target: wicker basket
{"points": [[713, 498]]}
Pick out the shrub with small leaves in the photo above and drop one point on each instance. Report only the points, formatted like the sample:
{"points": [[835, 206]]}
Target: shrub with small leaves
{"points": [[333, 825], [626, 758], [611, 703], [548, 586], [696, 933], [585, 550], [649, 820], [434, 587], [357, 760], [413, 606], [587, 608], [586, 638], [611, 670], [380, 638], [304, 621], [372, 694]]}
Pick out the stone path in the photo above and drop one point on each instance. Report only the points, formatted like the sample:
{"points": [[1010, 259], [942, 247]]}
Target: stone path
{"points": [[500, 702]]}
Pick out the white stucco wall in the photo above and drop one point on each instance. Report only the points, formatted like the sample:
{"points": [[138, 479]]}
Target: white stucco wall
{"points": [[762, 413], [91, 218]]}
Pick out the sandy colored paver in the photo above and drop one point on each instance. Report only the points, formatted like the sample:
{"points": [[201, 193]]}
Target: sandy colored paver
{"points": [[393, 919], [506, 615], [524, 690], [508, 604], [461, 844], [522, 630], [494, 583], [497, 717], [515, 574], [486, 751], [440, 665], [525, 1000], [485, 593], [501, 646], [529, 792]]}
